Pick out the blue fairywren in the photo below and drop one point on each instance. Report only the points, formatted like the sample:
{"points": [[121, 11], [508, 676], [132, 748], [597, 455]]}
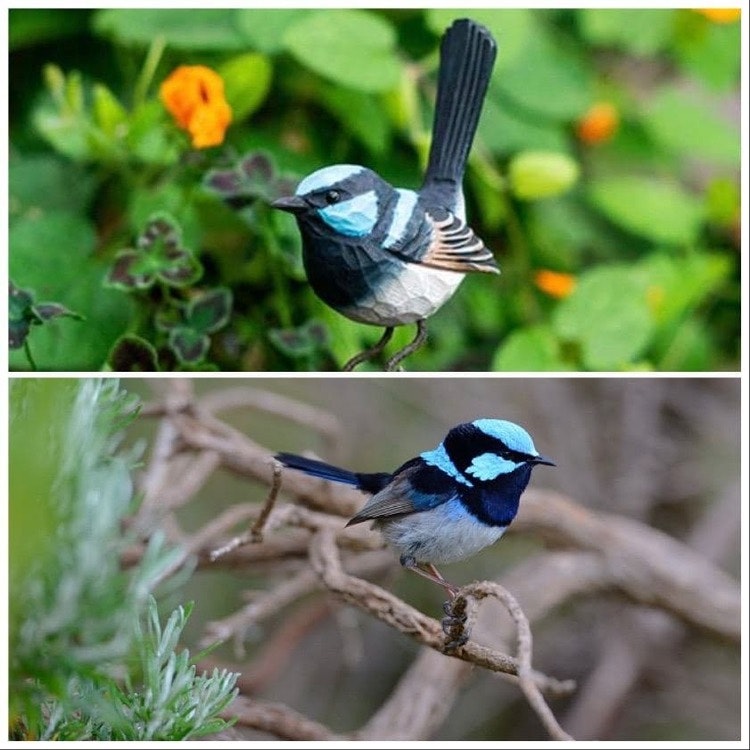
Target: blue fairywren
{"points": [[448, 503], [389, 256]]}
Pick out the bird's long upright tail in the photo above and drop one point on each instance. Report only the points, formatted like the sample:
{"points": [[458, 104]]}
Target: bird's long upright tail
{"points": [[467, 56]]}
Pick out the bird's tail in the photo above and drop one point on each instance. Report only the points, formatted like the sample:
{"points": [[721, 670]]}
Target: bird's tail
{"points": [[318, 468], [467, 56], [366, 482]]}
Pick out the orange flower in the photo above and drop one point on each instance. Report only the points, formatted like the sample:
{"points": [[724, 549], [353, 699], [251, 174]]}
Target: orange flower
{"points": [[194, 96], [599, 124], [720, 15], [554, 283]]}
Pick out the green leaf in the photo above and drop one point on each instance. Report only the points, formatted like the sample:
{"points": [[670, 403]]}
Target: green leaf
{"points": [[512, 29], [354, 48], [264, 29], [190, 346], [658, 210], [158, 254], [45, 182], [690, 128], [193, 29], [148, 139], [301, 342], [533, 175], [535, 348], [638, 31], [247, 81], [608, 317], [676, 286], [133, 354], [723, 201], [709, 51], [31, 26], [109, 114], [20, 315], [131, 270], [361, 114], [209, 312], [65, 128], [548, 79], [505, 130], [53, 254]]}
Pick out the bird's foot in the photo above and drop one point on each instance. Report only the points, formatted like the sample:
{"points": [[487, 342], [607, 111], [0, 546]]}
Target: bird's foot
{"points": [[393, 363], [373, 351]]}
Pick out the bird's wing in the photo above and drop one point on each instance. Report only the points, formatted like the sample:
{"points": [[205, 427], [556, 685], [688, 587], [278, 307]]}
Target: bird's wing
{"points": [[455, 247], [407, 493], [445, 241]]}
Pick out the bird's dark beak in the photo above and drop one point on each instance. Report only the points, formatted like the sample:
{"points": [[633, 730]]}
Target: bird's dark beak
{"points": [[543, 460], [294, 204]]}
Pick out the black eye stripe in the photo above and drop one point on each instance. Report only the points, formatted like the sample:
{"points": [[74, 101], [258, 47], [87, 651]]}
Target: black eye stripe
{"points": [[332, 196], [465, 442]]}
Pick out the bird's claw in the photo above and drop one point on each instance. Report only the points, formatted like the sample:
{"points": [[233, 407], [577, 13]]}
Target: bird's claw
{"points": [[454, 625], [457, 642], [448, 608]]}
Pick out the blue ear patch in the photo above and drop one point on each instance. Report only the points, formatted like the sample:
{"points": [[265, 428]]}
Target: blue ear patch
{"points": [[327, 177], [515, 437], [355, 217], [440, 459], [489, 466], [407, 200]]}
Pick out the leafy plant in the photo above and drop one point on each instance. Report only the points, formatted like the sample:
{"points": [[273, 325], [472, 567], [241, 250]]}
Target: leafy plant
{"points": [[587, 164], [75, 613]]}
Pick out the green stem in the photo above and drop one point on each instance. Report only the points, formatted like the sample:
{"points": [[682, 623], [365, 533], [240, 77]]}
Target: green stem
{"points": [[27, 350], [153, 56]]}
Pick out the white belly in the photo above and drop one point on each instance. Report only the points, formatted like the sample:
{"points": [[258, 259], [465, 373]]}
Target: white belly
{"points": [[444, 534], [415, 293]]}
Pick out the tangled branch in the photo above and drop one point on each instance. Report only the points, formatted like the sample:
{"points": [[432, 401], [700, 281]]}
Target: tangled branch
{"points": [[306, 545]]}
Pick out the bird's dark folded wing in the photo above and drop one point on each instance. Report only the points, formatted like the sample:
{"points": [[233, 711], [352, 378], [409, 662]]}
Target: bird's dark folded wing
{"points": [[455, 247], [407, 493]]}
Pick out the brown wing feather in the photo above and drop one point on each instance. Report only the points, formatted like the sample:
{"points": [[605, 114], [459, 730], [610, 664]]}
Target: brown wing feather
{"points": [[455, 247], [393, 500]]}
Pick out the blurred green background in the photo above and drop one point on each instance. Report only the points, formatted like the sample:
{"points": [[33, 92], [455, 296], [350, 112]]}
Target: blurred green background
{"points": [[605, 178]]}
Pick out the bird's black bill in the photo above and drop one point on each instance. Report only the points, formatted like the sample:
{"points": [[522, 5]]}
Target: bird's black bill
{"points": [[543, 460], [292, 203]]}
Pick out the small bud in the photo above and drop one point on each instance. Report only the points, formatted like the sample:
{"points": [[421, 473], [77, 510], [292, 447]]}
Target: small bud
{"points": [[541, 174]]}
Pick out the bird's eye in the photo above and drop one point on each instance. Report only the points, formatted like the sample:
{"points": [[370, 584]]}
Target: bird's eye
{"points": [[332, 196]]}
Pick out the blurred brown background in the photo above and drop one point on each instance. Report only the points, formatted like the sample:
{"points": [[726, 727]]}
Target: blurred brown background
{"points": [[664, 452]]}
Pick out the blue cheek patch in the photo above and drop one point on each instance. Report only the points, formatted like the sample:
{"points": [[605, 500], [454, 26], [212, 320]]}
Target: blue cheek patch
{"points": [[440, 459], [407, 200], [489, 466], [355, 217]]}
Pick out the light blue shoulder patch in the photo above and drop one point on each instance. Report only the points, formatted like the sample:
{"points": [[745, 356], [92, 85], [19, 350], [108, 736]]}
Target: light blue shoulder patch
{"points": [[327, 177], [515, 437], [440, 459], [489, 466], [355, 217], [407, 200]]}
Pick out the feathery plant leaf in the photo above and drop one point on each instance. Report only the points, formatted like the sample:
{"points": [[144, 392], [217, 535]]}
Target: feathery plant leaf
{"points": [[74, 612]]}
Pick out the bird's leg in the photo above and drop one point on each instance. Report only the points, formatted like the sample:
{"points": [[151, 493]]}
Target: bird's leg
{"points": [[430, 572], [454, 622], [402, 354], [371, 352]]}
